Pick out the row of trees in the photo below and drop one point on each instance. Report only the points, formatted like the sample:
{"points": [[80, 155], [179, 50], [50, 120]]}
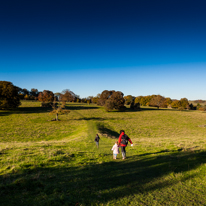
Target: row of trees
{"points": [[28, 95], [65, 96], [160, 101], [116, 100], [11, 95]]}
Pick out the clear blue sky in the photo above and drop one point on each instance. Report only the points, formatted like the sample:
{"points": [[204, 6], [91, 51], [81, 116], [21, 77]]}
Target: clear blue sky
{"points": [[139, 47]]}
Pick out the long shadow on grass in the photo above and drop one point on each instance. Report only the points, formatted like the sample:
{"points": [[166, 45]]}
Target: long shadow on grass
{"points": [[97, 183], [107, 131], [91, 118], [26, 110], [149, 109], [81, 107]]}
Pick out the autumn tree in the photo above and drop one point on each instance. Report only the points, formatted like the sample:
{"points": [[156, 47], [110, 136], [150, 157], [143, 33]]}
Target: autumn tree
{"points": [[9, 95], [84, 100], [57, 95], [168, 101], [34, 93], [115, 101], [26, 97], [67, 96], [46, 96], [109, 105], [138, 99], [95, 100], [184, 102], [176, 104], [105, 95], [143, 101], [89, 99], [58, 110], [118, 99], [157, 101], [25, 92], [129, 99]]}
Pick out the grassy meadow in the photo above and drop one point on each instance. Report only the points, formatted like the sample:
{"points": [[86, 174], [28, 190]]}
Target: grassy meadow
{"points": [[46, 162]]}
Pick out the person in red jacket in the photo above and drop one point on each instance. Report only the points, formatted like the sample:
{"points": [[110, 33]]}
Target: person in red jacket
{"points": [[123, 141]]}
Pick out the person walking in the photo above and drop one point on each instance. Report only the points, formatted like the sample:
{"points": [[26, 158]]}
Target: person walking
{"points": [[97, 138], [123, 141], [115, 150]]}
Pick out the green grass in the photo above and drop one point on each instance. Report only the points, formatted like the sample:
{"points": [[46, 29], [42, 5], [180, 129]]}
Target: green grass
{"points": [[56, 163]]}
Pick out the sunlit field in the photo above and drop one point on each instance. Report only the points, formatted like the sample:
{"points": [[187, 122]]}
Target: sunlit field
{"points": [[45, 162]]}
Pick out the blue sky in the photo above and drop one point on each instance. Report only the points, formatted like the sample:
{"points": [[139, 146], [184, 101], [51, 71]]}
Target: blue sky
{"points": [[140, 47]]}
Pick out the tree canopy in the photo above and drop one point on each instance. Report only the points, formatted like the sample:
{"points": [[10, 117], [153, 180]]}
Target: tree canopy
{"points": [[103, 97], [9, 97], [46, 96], [158, 101], [112, 100], [67, 96]]}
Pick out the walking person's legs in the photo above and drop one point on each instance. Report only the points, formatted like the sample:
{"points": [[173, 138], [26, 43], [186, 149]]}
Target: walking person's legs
{"points": [[123, 152]]}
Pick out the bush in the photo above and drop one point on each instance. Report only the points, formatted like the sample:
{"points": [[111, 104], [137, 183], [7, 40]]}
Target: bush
{"points": [[203, 108], [199, 106], [181, 108], [135, 106]]}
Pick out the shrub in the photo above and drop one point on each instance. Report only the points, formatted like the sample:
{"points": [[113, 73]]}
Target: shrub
{"points": [[135, 106], [202, 108], [181, 108], [199, 106]]}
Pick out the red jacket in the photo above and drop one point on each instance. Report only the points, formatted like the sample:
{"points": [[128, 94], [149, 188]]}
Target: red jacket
{"points": [[120, 139]]}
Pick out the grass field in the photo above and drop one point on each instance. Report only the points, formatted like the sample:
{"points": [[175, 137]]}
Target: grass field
{"points": [[56, 162]]}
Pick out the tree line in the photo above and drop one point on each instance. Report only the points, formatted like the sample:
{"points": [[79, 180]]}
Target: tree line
{"points": [[11, 96]]}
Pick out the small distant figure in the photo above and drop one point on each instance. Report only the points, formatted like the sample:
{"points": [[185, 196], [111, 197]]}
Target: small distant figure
{"points": [[123, 141], [97, 138], [115, 149]]}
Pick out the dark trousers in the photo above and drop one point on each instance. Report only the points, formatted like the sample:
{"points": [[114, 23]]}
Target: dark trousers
{"points": [[123, 151]]}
